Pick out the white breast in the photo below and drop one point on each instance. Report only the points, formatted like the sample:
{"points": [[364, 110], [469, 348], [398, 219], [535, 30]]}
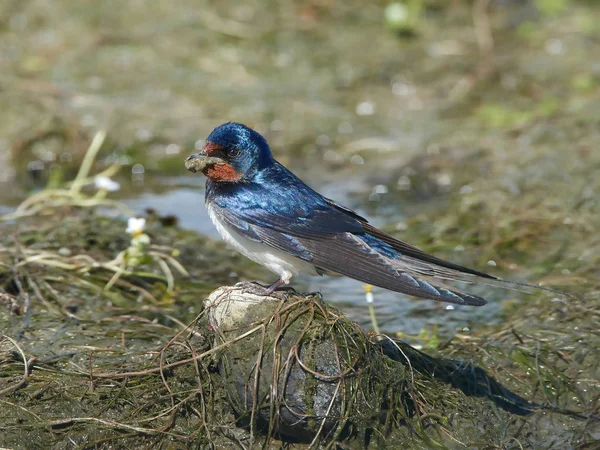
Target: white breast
{"points": [[284, 265]]}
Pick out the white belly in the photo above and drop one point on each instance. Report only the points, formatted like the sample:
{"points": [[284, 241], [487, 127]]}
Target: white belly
{"points": [[284, 265]]}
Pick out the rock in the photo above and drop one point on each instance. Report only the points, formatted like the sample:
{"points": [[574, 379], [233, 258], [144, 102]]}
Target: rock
{"points": [[302, 373], [297, 369]]}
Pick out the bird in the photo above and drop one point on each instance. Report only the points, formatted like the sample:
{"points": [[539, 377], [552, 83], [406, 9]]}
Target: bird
{"points": [[272, 217]]}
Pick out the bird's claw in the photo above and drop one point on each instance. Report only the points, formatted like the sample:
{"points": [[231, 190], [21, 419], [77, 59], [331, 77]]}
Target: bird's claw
{"points": [[254, 287]]}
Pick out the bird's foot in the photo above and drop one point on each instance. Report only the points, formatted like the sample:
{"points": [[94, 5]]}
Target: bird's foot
{"points": [[274, 289], [253, 287]]}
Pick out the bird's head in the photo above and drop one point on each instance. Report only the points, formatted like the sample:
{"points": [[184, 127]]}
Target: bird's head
{"points": [[231, 153]]}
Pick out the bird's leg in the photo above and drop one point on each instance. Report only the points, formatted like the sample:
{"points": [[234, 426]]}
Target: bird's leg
{"points": [[274, 286]]}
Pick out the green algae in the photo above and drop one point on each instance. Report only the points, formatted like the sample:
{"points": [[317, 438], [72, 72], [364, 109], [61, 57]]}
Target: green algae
{"points": [[111, 368], [495, 171]]}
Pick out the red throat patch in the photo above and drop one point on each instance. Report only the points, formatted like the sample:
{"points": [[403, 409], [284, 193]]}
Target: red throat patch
{"points": [[219, 172], [223, 172], [210, 147]]}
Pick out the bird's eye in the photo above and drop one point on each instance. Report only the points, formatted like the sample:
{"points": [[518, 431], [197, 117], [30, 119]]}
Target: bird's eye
{"points": [[233, 152]]}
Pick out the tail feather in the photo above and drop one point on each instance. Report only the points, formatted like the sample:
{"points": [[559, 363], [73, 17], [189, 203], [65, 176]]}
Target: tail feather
{"points": [[429, 270]]}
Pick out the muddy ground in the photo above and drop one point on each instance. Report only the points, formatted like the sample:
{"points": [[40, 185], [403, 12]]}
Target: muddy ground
{"points": [[474, 135]]}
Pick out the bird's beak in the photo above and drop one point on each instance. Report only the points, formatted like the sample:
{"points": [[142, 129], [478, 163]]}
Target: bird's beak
{"points": [[198, 162]]}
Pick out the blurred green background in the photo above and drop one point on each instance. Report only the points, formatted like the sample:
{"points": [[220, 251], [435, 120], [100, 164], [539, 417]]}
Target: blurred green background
{"points": [[469, 128]]}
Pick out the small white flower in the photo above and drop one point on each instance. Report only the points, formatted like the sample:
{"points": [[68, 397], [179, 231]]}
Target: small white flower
{"points": [[135, 225], [106, 183], [141, 240]]}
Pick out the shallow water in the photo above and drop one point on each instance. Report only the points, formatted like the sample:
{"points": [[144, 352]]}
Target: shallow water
{"points": [[476, 138], [345, 102]]}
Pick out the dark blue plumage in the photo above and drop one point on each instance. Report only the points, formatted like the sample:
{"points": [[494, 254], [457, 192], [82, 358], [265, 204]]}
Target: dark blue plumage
{"points": [[267, 213]]}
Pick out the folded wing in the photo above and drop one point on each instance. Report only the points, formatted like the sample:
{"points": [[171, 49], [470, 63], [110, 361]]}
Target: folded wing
{"points": [[350, 255], [300, 222]]}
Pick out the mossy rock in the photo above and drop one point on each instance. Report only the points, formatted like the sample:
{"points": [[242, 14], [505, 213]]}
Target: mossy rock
{"points": [[296, 369]]}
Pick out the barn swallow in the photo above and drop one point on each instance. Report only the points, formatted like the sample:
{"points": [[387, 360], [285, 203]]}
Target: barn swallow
{"points": [[272, 217]]}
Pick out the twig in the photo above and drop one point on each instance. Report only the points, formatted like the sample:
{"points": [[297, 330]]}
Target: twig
{"points": [[87, 162], [26, 369], [177, 363]]}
